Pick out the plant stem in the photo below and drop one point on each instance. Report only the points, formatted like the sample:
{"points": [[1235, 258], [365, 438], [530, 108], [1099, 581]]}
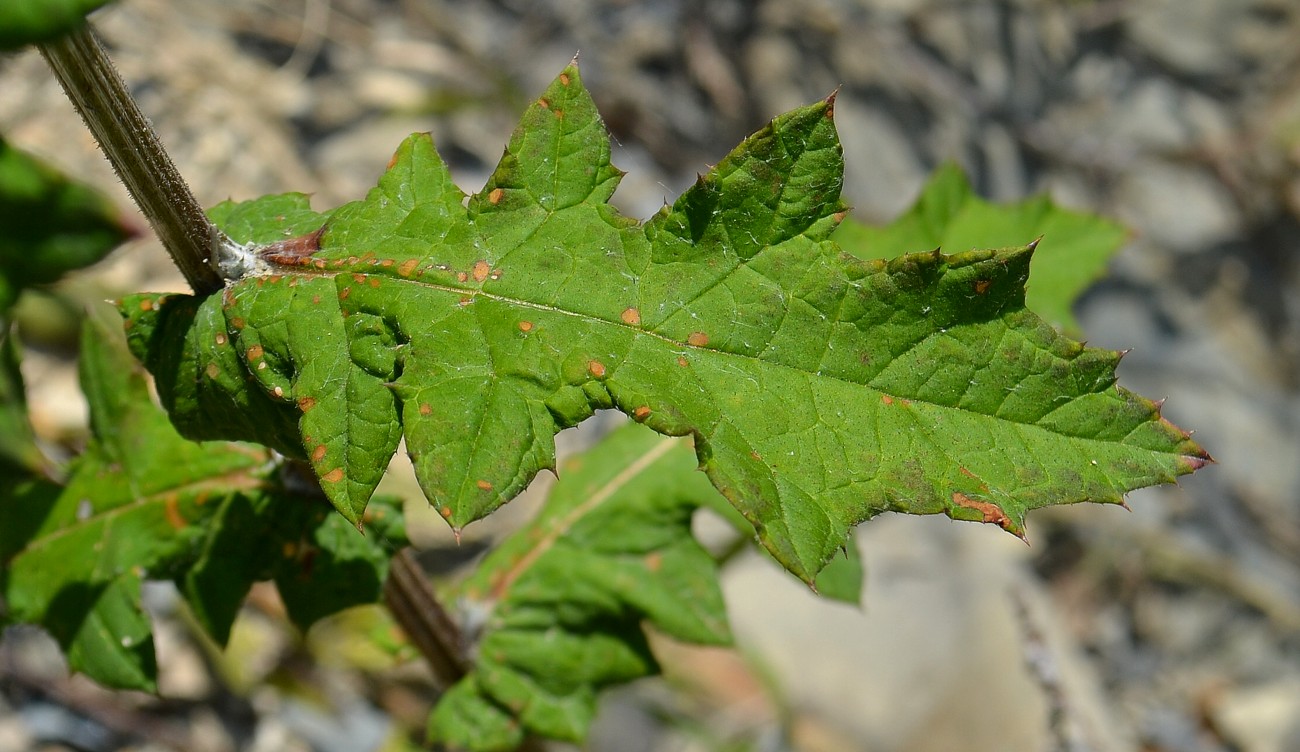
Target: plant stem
{"points": [[413, 603], [124, 134]]}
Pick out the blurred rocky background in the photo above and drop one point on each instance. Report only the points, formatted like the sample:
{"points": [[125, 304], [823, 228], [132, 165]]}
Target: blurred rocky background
{"points": [[1173, 627]]}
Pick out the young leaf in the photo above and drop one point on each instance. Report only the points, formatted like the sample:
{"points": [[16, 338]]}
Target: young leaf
{"points": [[29, 21], [948, 214], [51, 224], [562, 600], [821, 389], [142, 502]]}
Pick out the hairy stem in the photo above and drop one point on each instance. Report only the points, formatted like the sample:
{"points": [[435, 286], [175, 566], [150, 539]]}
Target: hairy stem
{"points": [[124, 134], [412, 602]]}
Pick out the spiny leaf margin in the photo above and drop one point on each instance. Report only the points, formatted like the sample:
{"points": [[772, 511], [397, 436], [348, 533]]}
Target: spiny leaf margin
{"points": [[820, 389]]}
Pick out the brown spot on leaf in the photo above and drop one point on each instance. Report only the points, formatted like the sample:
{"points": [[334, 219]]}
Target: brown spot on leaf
{"points": [[385, 263], [344, 293], [982, 286], [358, 278], [212, 371], [564, 79], [146, 304], [306, 403], [481, 270], [682, 362], [278, 391], [525, 326], [483, 485], [407, 267], [333, 476], [319, 263], [374, 282], [445, 512], [221, 338], [541, 102], [255, 352], [426, 409], [697, 339], [988, 510], [294, 251], [641, 413], [839, 216], [495, 196], [462, 277], [318, 453], [885, 398], [596, 368], [631, 317]]}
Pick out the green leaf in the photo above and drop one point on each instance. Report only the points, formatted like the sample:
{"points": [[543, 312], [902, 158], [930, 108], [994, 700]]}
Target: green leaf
{"points": [[18, 451], [948, 214], [51, 224], [562, 600], [25, 22], [143, 503], [821, 389]]}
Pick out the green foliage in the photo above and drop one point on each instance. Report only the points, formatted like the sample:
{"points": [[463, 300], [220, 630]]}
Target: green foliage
{"points": [[821, 389], [143, 503], [25, 22], [51, 224], [949, 215], [562, 599], [18, 453]]}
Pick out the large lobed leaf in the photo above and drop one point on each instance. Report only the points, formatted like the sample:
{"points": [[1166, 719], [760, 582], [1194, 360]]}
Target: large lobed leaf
{"points": [[143, 503], [562, 600], [948, 214], [821, 389]]}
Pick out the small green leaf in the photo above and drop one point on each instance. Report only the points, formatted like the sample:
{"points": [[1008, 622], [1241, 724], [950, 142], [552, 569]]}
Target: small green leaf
{"points": [[821, 389], [948, 214], [562, 600], [25, 22], [51, 224], [841, 579]]}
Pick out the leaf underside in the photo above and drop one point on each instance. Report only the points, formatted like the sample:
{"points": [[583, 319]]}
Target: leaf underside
{"points": [[820, 389], [562, 600]]}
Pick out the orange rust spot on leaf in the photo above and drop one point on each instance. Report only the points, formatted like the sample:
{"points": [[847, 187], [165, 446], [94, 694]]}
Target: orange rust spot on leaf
{"points": [[682, 362], [306, 403], [445, 512], [278, 391], [425, 409], [564, 79], [146, 305], [641, 413], [385, 263], [982, 286], [596, 368], [462, 277], [374, 282], [483, 485], [631, 317], [391, 161], [697, 339], [481, 270], [653, 561], [839, 216], [358, 278], [495, 196], [319, 263], [989, 511], [407, 267], [344, 293], [318, 453], [525, 326], [541, 102], [885, 398], [212, 371], [255, 352], [333, 476]]}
